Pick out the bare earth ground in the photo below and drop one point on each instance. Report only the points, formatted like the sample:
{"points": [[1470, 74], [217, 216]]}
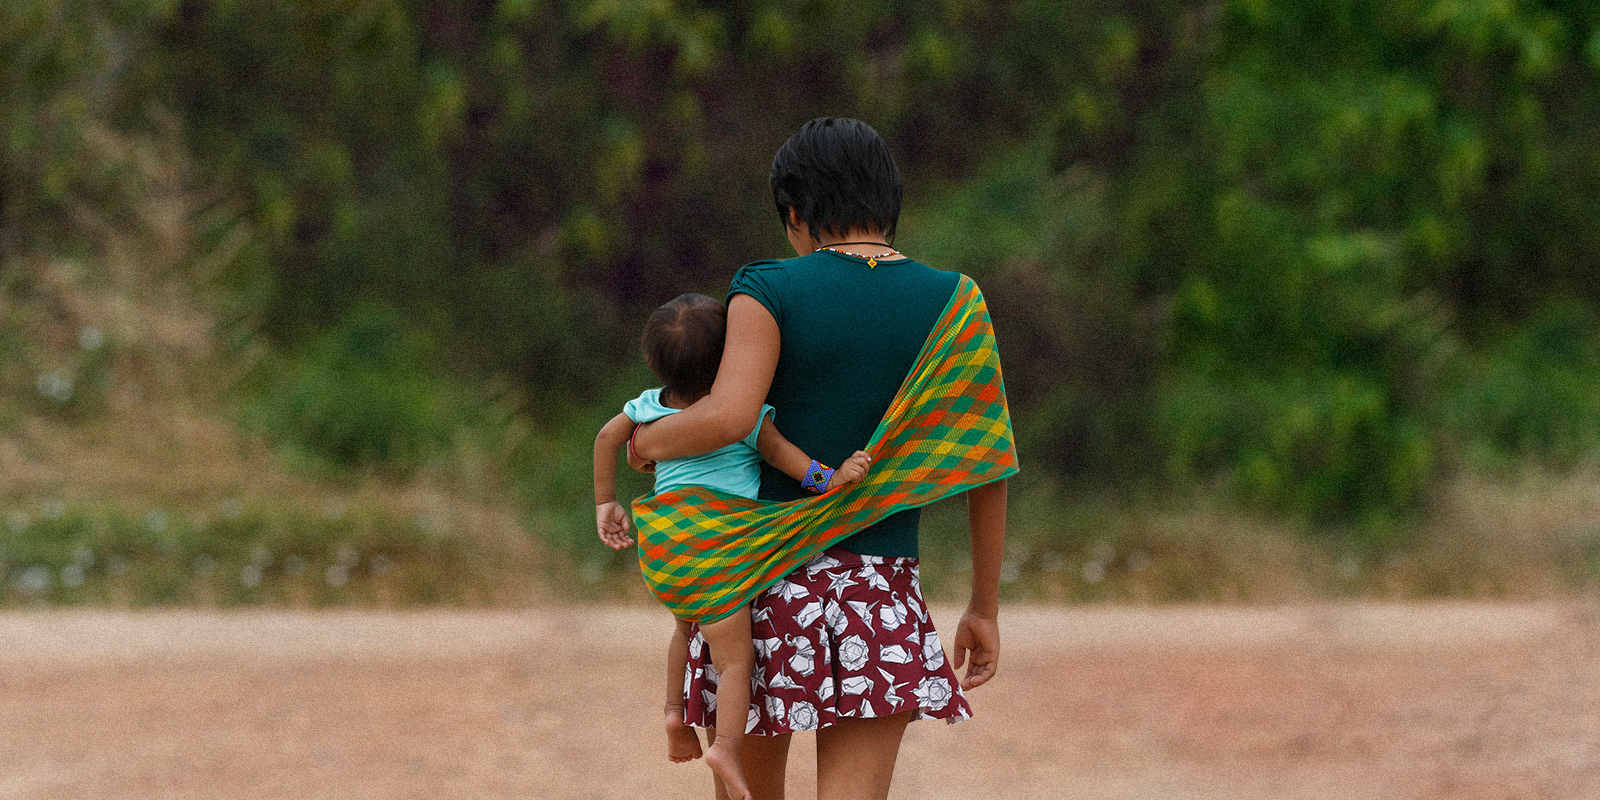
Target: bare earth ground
{"points": [[1324, 702]]}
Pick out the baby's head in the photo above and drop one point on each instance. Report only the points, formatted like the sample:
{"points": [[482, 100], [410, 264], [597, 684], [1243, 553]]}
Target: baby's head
{"points": [[683, 345]]}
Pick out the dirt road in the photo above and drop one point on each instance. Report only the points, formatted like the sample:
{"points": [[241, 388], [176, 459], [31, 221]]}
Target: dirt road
{"points": [[1321, 703]]}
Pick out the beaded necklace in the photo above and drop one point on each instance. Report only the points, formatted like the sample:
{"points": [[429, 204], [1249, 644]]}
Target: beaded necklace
{"points": [[872, 261]]}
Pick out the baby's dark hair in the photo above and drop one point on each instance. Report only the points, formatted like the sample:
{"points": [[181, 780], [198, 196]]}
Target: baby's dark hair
{"points": [[683, 344]]}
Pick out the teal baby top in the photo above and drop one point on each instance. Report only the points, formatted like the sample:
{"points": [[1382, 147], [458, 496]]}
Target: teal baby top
{"points": [[735, 469], [850, 334]]}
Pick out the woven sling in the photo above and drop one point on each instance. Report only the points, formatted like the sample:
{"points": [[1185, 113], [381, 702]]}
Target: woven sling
{"points": [[705, 553]]}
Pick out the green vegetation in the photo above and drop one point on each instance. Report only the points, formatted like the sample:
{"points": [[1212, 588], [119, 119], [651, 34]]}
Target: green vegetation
{"points": [[1316, 259]]}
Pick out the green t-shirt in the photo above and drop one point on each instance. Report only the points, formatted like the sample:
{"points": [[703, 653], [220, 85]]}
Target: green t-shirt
{"points": [[850, 333]]}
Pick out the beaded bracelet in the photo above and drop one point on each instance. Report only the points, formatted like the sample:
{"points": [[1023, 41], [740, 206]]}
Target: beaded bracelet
{"points": [[817, 477]]}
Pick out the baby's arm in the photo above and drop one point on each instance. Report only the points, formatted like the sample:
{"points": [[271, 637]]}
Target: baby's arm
{"points": [[781, 453], [610, 518]]}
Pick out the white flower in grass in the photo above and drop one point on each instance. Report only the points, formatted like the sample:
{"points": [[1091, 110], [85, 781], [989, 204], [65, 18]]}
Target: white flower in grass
{"points": [[894, 654], [874, 578], [836, 619], [935, 692], [752, 720], [809, 613], [804, 660], [803, 716], [863, 610], [893, 616], [856, 685], [774, 708], [765, 647], [853, 653]]}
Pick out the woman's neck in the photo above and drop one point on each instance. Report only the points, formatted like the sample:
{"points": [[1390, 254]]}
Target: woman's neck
{"points": [[856, 236]]}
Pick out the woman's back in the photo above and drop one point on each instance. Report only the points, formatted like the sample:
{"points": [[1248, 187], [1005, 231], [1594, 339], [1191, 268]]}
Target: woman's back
{"points": [[850, 333]]}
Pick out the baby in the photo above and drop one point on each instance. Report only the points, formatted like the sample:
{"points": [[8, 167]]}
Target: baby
{"points": [[683, 347]]}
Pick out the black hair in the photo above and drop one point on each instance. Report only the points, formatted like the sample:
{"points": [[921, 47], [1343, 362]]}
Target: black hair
{"points": [[683, 344], [837, 174]]}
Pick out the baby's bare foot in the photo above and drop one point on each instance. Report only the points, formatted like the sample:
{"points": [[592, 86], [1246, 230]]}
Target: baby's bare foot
{"points": [[724, 761], [683, 744]]}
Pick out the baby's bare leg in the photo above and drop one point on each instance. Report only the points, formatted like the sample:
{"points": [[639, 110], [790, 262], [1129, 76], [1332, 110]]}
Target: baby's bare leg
{"points": [[734, 657], [682, 742]]}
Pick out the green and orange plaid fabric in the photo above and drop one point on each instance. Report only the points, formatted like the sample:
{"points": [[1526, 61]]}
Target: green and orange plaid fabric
{"points": [[705, 553]]}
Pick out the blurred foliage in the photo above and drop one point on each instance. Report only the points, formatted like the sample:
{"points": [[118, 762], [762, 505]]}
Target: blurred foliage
{"points": [[66, 555], [363, 395], [1319, 253]]}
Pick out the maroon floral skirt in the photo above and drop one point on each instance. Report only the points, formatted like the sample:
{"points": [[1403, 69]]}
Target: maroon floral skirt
{"points": [[846, 635]]}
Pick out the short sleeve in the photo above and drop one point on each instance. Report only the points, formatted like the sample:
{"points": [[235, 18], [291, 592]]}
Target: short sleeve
{"points": [[647, 407], [768, 413], [766, 281]]}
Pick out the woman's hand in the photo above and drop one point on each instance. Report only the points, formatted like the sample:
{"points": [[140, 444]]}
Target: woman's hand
{"points": [[977, 645], [851, 471], [612, 521]]}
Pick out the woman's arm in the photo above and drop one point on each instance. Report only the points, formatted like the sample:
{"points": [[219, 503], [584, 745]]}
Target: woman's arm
{"points": [[978, 635], [730, 411], [611, 519]]}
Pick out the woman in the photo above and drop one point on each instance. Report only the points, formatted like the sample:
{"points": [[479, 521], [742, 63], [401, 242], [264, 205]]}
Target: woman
{"points": [[826, 339]]}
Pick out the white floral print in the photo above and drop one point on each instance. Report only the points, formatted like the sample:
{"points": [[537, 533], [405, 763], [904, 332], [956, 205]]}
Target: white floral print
{"points": [[821, 563], [892, 616], [935, 692], [836, 619], [840, 581], [803, 716], [856, 684], [863, 611], [845, 636], [853, 653], [874, 578], [894, 654], [804, 660], [809, 613], [931, 651]]}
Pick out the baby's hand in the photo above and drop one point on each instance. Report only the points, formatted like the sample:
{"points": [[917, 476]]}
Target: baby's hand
{"points": [[612, 520], [851, 471]]}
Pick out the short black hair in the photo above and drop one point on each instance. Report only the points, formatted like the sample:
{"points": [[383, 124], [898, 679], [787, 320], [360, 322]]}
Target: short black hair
{"points": [[683, 344], [837, 174]]}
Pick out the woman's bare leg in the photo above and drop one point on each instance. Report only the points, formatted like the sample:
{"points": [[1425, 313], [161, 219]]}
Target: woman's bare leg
{"points": [[734, 657], [682, 743], [855, 757], [766, 762]]}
